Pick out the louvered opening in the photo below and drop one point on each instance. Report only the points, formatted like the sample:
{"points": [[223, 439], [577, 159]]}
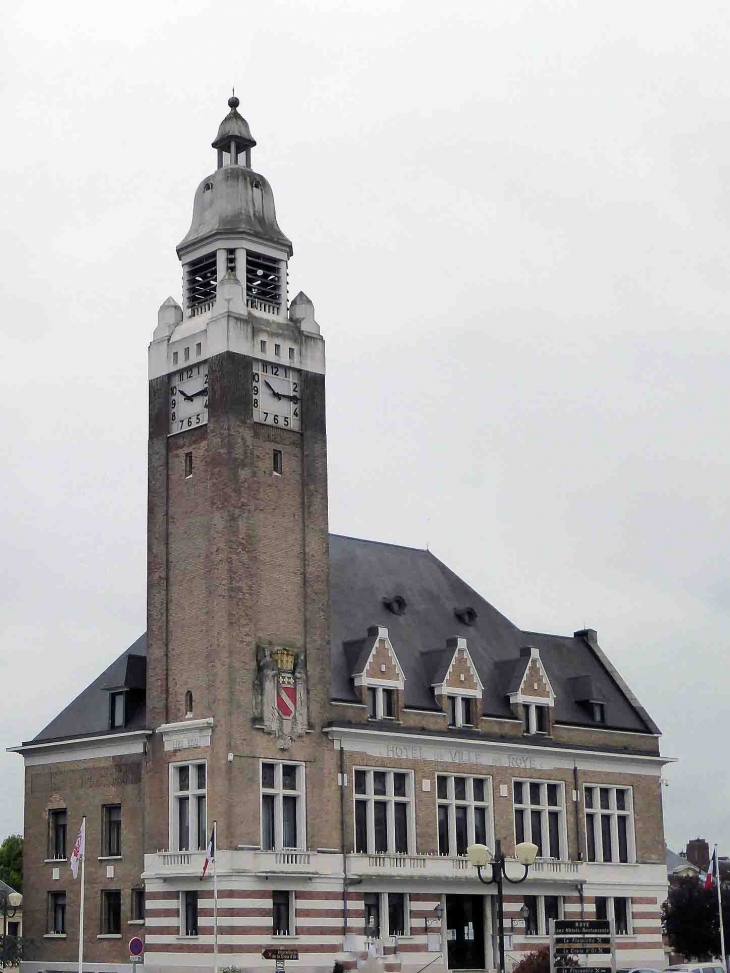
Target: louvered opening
{"points": [[263, 282], [201, 283]]}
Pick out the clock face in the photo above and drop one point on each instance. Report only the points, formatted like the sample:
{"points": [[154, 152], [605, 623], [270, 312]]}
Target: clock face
{"points": [[189, 397], [277, 395]]}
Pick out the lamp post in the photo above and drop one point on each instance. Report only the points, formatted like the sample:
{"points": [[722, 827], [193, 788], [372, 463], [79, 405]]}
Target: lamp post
{"points": [[480, 856], [10, 902]]}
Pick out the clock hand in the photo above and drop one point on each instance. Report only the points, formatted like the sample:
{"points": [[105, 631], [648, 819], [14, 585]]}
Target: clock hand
{"points": [[294, 398], [185, 395], [277, 394], [203, 391]]}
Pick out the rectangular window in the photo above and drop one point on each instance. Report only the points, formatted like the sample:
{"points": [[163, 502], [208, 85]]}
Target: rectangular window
{"points": [[464, 814], [282, 808], [599, 712], [541, 909], [189, 925], [609, 827], [116, 710], [291, 354], [263, 282], [111, 830], [201, 282], [188, 812], [111, 912], [460, 710], [383, 809], [188, 464], [372, 914], [539, 810], [618, 909], [186, 356], [57, 823], [174, 358], [601, 908], [57, 913], [198, 349], [137, 905], [282, 914], [277, 350], [262, 346], [397, 914], [278, 464], [381, 703]]}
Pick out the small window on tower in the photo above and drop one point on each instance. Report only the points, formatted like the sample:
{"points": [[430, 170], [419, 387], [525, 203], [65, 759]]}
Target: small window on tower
{"points": [[174, 358], [188, 703], [263, 347], [277, 351], [278, 462], [291, 354], [187, 354], [198, 349], [188, 464]]}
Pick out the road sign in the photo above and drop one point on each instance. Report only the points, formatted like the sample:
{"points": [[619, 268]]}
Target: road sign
{"points": [[280, 954], [590, 969], [136, 946], [582, 927], [581, 950], [589, 940]]}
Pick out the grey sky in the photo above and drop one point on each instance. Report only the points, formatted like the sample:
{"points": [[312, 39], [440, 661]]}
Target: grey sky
{"points": [[512, 220]]}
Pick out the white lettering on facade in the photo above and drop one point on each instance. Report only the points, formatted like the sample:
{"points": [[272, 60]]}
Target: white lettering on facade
{"points": [[456, 756]]}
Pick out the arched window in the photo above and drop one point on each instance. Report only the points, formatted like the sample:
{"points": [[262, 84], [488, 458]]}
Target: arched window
{"points": [[188, 703]]}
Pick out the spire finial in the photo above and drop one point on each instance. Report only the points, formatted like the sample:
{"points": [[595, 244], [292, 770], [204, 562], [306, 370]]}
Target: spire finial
{"points": [[233, 102]]}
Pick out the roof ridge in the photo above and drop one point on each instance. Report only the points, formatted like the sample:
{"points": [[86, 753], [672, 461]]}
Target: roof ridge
{"points": [[367, 540]]}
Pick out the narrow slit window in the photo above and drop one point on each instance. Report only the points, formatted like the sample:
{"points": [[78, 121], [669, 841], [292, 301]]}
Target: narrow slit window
{"points": [[263, 347], [291, 354], [278, 462], [186, 356], [188, 465], [175, 357], [277, 350], [198, 349]]}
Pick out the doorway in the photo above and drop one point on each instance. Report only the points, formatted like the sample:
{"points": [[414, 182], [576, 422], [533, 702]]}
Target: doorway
{"points": [[465, 931]]}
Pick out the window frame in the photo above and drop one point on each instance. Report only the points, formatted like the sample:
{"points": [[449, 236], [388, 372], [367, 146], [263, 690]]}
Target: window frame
{"points": [[137, 897], [390, 799], [105, 898], [610, 901], [192, 794], [291, 913], [279, 793], [53, 814], [378, 694], [113, 697], [592, 822], [183, 907], [451, 802], [544, 808], [543, 926], [106, 831], [458, 700], [531, 721], [53, 902]]}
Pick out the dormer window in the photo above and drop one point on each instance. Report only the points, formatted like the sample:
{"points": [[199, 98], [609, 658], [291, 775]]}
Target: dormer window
{"points": [[117, 710], [381, 703], [460, 710], [536, 718], [599, 712]]}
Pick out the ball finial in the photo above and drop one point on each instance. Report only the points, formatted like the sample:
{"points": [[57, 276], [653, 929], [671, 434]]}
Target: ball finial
{"points": [[233, 102]]}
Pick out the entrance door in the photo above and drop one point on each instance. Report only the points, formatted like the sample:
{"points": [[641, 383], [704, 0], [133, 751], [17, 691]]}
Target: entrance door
{"points": [[465, 931]]}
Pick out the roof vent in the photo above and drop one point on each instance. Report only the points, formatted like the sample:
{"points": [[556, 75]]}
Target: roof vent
{"points": [[397, 604], [467, 616]]}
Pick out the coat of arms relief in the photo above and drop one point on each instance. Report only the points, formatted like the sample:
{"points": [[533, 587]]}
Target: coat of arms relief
{"points": [[280, 693]]}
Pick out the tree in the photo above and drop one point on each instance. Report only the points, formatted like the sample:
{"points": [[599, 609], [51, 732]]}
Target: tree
{"points": [[691, 920], [11, 861], [539, 962]]}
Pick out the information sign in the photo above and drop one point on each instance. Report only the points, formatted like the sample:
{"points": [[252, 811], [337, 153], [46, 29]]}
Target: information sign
{"points": [[280, 954]]}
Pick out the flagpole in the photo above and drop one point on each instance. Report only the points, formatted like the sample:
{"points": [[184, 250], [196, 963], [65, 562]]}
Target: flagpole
{"points": [[719, 909], [81, 905], [215, 898]]}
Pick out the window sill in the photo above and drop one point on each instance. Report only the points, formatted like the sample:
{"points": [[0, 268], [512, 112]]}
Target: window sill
{"points": [[109, 935], [54, 861], [135, 922], [285, 935], [186, 938], [109, 858], [54, 935]]}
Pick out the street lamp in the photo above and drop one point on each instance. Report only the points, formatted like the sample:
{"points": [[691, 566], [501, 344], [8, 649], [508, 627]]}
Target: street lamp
{"points": [[480, 856], [10, 902]]}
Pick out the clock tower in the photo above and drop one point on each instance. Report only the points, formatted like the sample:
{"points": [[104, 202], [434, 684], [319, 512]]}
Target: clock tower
{"points": [[238, 562]]}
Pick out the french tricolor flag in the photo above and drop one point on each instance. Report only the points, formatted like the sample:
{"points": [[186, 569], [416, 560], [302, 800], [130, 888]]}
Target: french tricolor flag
{"points": [[711, 876], [209, 853]]}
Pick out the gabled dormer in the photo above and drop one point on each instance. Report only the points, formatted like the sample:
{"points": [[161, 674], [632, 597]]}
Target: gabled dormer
{"points": [[531, 694], [455, 682], [377, 673]]}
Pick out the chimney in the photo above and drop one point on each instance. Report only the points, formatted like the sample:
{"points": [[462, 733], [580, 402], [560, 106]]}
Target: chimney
{"points": [[698, 852]]}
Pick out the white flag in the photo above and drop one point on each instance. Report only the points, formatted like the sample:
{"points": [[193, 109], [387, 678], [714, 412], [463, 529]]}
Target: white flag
{"points": [[79, 849]]}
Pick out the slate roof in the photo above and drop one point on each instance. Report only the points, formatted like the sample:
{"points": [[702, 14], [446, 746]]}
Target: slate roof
{"points": [[363, 573], [677, 863]]}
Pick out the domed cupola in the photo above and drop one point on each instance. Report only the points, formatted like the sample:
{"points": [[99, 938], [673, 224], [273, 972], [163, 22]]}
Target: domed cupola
{"points": [[234, 229]]}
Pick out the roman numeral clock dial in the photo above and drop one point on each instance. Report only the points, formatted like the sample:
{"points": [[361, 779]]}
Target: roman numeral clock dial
{"points": [[277, 395], [189, 397]]}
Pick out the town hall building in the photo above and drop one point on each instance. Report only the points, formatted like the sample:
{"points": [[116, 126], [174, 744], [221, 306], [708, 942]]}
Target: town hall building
{"points": [[350, 713]]}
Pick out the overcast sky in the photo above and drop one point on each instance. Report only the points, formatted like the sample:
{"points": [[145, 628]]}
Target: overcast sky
{"points": [[512, 218]]}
